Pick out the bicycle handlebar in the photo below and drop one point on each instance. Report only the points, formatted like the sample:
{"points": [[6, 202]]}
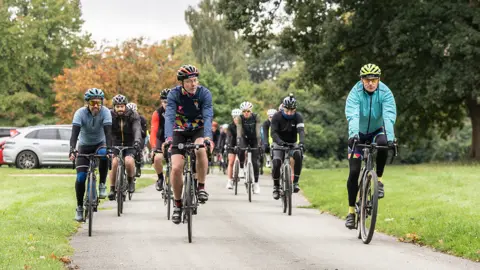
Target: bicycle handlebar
{"points": [[89, 156], [394, 148]]}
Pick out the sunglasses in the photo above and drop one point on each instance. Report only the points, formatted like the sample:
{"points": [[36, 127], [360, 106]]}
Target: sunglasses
{"points": [[371, 80], [95, 102], [247, 111]]}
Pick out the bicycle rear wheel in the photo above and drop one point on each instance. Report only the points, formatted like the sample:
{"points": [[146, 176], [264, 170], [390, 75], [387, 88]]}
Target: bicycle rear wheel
{"points": [[236, 172], [369, 206], [119, 186], [91, 189]]}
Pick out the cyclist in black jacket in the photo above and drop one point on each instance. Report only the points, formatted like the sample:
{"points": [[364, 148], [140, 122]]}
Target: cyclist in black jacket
{"points": [[287, 127], [126, 131]]}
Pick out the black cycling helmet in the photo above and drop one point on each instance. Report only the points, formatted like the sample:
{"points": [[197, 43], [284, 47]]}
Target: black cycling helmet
{"points": [[119, 99], [289, 102]]}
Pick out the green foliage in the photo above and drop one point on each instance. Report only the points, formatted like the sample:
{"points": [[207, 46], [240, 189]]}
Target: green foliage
{"points": [[428, 51], [37, 40], [213, 44]]}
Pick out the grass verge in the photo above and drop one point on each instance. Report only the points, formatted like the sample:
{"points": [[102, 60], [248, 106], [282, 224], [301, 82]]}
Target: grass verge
{"points": [[434, 205], [36, 218]]}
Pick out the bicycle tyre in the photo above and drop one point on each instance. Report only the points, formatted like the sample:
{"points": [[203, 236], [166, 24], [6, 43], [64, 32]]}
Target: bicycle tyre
{"points": [[358, 204], [167, 193], [119, 186], [283, 190], [189, 205], [90, 203], [236, 177], [288, 188], [250, 180], [367, 233]]}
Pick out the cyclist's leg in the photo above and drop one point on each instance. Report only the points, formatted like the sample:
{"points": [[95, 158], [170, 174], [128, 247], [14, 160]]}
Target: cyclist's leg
{"points": [[276, 165], [158, 166], [231, 160], [355, 163], [82, 164], [201, 165], [130, 168], [255, 156], [113, 175], [267, 155], [297, 169], [382, 155], [103, 170], [176, 175]]}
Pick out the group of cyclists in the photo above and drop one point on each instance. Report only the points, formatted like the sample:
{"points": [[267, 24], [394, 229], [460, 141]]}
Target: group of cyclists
{"points": [[186, 113]]}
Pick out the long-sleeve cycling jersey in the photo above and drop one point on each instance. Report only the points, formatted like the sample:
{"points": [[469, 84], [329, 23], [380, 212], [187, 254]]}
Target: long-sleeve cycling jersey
{"points": [[286, 130], [186, 112]]}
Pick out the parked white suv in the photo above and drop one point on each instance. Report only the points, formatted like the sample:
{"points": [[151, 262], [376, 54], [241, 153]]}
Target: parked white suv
{"points": [[38, 146]]}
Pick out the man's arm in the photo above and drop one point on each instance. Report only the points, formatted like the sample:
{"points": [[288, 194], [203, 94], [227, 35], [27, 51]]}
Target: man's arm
{"points": [[207, 113], [274, 126], [301, 128], [107, 126], [239, 131], [137, 128], [170, 114], [154, 129], [258, 126], [389, 115], [76, 126], [352, 112]]}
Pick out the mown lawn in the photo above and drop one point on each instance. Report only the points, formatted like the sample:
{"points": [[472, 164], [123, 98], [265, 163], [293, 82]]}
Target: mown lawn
{"points": [[435, 205], [36, 218]]}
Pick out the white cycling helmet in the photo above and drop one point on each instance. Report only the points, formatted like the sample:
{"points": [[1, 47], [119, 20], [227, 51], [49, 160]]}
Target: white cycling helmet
{"points": [[271, 112], [246, 106], [132, 106], [236, 112], [225, 126]]}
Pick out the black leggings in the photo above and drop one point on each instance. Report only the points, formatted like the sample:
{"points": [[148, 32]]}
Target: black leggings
{"points": [[278, 157], [355, 163], [241, 156], [82, 164]]}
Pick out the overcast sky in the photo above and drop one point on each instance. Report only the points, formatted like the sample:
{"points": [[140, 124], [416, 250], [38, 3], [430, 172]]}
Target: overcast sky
{"points": [[118, 20]]}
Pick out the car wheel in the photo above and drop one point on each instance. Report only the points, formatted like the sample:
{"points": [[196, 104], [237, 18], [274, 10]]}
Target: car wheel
{"points": [[27, 160]]}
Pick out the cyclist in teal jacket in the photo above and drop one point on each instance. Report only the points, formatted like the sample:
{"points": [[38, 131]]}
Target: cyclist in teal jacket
{"points": [[371, 113]]}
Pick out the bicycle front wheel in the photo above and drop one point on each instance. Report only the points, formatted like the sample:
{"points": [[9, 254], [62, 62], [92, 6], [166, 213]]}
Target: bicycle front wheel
{"points": [[236, 172], [168, 195], [91, 190], [369, 206], [119, 185], [250, 180], [288, 188], [189, 205]]}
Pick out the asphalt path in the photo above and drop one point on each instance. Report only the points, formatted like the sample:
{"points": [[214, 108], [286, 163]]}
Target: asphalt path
{"points": [[231, 233]]}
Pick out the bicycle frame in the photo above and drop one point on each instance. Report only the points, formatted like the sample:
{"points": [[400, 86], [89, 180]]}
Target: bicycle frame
{"points": [[90, 203], [286, 175]]}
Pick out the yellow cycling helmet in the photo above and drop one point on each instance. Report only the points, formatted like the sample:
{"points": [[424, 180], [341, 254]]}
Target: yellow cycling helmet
{"points": [[370, 70]]}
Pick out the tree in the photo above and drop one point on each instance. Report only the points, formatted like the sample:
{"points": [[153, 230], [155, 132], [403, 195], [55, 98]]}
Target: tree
{"points": [[212, 43], [37, 40], [133, 69], [269, 64], [428, 51]]}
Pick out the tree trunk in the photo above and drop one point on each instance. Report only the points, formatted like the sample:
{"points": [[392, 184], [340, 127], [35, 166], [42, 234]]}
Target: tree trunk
{"points": [[474, 113]]}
